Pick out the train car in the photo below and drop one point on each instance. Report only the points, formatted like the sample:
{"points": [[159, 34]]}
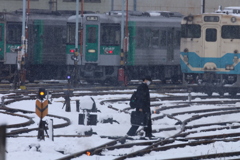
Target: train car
{"points": [[210, 52], [46, 40], [101, 41], [10, 39], [153, 47]]}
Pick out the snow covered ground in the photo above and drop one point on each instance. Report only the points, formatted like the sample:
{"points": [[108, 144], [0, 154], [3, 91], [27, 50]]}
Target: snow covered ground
{"points": [[28, 148]]}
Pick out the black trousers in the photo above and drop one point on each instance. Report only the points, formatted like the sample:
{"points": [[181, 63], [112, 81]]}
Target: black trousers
{"points": [[148, 130]]}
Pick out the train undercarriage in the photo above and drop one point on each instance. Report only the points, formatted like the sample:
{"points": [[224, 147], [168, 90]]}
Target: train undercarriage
{"points": [[211, 82], [110, 74]]}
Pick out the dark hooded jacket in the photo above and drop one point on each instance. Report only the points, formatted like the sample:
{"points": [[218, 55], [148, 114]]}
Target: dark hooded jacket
{"points": [[143, 96]]}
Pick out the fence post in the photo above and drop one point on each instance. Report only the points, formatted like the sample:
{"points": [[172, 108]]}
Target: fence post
{"points": [[77, 105], [2, 142]]}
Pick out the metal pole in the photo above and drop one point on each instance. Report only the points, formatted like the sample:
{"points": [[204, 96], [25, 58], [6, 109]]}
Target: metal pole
{"points": [[23, 23], [81, 43], [23, 28], [50, 126], [135, 5], [2, 142], [76, 31], [112, 5], [203, 6], [21, 59], [126, 28], [122, 25]]}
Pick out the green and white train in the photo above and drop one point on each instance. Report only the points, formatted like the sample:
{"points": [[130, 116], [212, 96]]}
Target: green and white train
{"points": [[153, 47]]}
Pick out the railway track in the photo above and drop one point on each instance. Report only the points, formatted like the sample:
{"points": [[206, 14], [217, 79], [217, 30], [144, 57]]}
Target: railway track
{"points": [[185, 136]]}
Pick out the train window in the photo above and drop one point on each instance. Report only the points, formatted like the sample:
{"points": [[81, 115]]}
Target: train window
{"points": [[110, 34], [149, 38], [1, 33], [191, 31], [163, 38], [211, 35], [155, 39], [211, 18], [230, 32], [71, 33], [14, 32], [92, 35], [139, 38]]}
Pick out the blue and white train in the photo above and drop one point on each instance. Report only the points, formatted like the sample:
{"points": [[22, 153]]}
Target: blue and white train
{"points": [[210, 52]]}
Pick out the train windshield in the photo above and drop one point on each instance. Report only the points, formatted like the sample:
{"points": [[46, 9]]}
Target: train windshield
{"points": [[230, 32], [71, 33], [110, 34], [191, 31]]}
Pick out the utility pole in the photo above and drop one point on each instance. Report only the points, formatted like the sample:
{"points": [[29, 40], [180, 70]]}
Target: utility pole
{"points": [[121, 70], [112, 5], [126, 41], [22, 50], [75, 72], [202, 6], [135, 5]]}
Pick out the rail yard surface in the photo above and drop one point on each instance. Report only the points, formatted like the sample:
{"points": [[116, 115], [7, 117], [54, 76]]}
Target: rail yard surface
{"points": [[186, 125]]}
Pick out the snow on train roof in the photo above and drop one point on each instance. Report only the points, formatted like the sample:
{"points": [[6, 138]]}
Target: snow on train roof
{"points": [[229, 10], [114, 18]]}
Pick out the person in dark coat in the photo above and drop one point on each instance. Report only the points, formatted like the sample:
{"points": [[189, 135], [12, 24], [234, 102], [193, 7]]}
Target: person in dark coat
{"points": [[143, 106]]}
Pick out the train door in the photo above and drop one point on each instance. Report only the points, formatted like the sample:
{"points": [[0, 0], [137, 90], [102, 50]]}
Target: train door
{"points": [[210, 41], [91, 49], [2, 45], [170, 44]]}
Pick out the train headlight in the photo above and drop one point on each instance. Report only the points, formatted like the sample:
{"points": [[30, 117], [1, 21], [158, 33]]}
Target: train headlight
{"points": [[185, 58], [235, 59], [233, 19], [229, 67], [91, 51]]}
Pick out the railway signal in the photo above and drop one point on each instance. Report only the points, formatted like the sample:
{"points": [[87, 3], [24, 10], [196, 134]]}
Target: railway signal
{"points": [[41, 93], [41, 108], [41, 111]]}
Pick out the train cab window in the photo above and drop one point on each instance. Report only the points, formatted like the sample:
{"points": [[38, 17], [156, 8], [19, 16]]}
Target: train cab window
{"points": [[92, 35], [71, 33], [14, 32], [211, 34], [230, 32], [191, 31], [110, 34]]}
